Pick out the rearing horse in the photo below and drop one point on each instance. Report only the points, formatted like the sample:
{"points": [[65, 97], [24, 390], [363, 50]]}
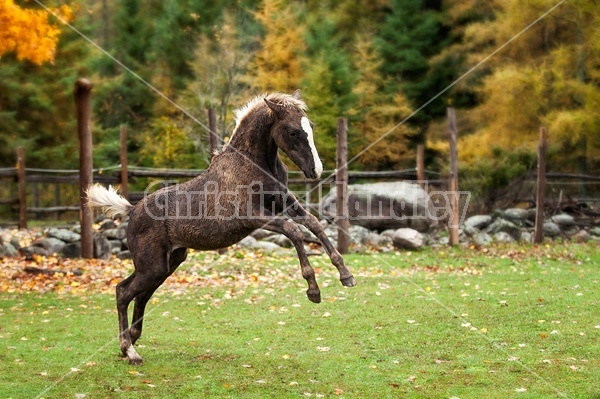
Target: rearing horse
{"points": [[244, 188]]}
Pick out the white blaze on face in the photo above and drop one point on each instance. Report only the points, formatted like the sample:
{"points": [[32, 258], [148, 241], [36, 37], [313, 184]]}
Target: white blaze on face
{"points": [[304, 122]]}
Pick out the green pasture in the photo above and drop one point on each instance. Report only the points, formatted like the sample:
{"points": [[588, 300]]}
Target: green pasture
{"points": [[502, 322]]}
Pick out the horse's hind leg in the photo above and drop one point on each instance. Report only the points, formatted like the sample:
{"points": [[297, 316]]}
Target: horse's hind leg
{"points": [[125, 293], [135, 331], [151, 270]]}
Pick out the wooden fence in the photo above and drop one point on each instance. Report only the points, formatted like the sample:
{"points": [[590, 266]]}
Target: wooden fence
{"points": [[23, 186]]}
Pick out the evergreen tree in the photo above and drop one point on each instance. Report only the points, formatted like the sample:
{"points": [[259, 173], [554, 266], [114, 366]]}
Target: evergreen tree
{"points": [[410, 36], [375, 115], [328, 82]]}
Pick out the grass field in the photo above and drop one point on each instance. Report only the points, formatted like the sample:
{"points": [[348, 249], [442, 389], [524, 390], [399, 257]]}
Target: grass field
{"points": [[502, 322]]}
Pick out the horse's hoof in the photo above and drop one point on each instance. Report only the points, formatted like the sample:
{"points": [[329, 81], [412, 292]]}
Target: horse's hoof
{"points": [[314, 296], [348, 281], [136, 361], [134, 358]]}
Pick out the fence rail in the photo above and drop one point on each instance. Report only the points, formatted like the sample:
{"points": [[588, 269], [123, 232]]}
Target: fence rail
{"points": [[113, 175], [33, 177]]}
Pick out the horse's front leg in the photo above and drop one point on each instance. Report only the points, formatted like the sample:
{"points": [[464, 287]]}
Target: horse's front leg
{"points": [[292, 232], [300, 215]]}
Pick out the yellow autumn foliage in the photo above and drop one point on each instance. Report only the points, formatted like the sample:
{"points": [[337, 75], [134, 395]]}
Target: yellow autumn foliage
{"points": [[276, 66], [28, 32]]}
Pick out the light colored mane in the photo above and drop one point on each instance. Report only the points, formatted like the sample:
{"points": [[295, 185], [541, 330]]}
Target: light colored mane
{"points": [[285, 100]]}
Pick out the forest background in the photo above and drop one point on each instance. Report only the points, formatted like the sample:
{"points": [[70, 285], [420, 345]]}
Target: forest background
{"points": [[374, 62]]}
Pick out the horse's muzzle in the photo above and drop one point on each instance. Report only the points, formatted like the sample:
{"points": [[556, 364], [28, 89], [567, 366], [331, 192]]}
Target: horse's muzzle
{"points": [[312, 174]]}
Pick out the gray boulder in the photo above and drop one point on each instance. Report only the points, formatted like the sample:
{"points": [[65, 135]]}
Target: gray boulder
{"points": [[102, 248], [377, 240], [388, 233], [124, 255], [72, 250], [482, 239], [515, 214], [595, 231], [248, 242], [14, 241], [107, 224], [50, 244], [470, 231], [358, 234], [389, 205], [551, 229], [251, 242], [118, 234], [563, 219], [267, 246], [526, 237], [478, 222], [581, 236], [308, 235], [279, 239], [63, 235], [408, 238], [502, 225], [33, 250], [503, 237], [7, 250], [115, 246]]}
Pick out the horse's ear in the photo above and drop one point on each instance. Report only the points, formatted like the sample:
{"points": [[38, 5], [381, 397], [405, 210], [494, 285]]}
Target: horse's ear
{"points": [[297, 95], [276, 108]]}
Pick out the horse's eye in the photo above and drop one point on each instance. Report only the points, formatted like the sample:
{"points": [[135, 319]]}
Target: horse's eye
{"points": [[294, 134]]}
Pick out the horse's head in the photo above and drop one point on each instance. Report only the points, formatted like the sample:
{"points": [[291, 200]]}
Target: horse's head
{"points": [[293, 133]]}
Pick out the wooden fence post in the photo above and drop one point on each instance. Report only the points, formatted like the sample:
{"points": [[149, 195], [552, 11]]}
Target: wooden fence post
{"points": [[538, 235], [22, 189], [341, 177], [212, 126], [83, 89], [453, 194], [421, 164], [124, 172]]}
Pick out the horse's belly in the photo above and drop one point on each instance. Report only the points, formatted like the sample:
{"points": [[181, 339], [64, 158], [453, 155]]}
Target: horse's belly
{"points": [[210, 239]]}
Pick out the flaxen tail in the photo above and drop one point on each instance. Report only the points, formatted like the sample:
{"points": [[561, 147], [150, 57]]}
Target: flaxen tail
{"points": [[109, 201]]}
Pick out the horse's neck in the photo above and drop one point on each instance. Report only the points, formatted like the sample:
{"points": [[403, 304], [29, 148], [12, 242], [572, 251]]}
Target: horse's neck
{"points": [[257, 146]]}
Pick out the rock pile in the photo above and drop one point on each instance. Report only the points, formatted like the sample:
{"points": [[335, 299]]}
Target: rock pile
{"points": [[109, 239], [505, 226]]}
